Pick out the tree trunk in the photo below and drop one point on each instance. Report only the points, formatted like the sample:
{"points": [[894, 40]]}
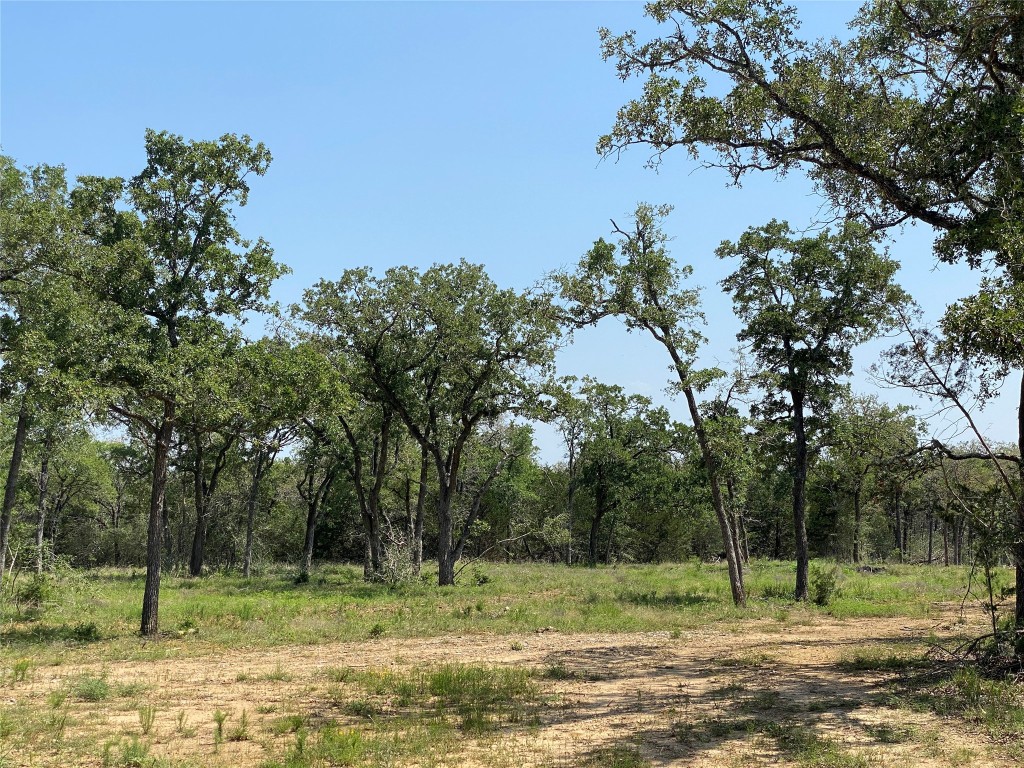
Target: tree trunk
{"points": [[611, 540], [421, 505], [569, 505], [445, 536], [737, 522], [251, 503], [161, 452], [739, 596], [800, 496], [309, 540], [1018, 547], [11, 489], [44, 482], [931, 534], [856, 525], [897, 522], [195, 563], [744, 541], [115, 525], [600, 508]]}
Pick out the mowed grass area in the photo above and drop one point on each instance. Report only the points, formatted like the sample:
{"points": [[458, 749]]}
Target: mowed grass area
{"points": [[95, 615], [230, 681]]}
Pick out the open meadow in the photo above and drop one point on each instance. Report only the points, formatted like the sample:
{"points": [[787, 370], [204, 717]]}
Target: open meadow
{"points": [[516, 665]]}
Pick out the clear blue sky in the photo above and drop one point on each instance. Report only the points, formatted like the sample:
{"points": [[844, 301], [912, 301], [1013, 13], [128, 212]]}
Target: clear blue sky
{"points": [[408, 133]]}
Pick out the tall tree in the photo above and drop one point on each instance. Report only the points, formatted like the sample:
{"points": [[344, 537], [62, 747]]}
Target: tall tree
{"points": [[446, 351], [173, 267], [805, 304], [863, 435], [916, 116], [45, 325], [645, 289]]}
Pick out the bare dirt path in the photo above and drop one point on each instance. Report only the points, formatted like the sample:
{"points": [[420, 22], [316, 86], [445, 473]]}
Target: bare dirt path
{"points": [[718, 696]]}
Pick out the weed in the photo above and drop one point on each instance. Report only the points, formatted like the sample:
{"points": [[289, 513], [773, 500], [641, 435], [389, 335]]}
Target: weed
{"points": [[86, 632], [57, 697], [288, 724], [341, 747], [776, 590], [889, 734], [362, 708], [241, 731], [875, 660], [20, 670], [615, 757], [278, 674], [558, 671], [219, 716], [181, 725], [129, 754], [749, 660], [338, 674], [515, 645], [90, 688], [128, 690], [761, 701], [809, 750], [147, 716], [56, 723], [377, 630]]}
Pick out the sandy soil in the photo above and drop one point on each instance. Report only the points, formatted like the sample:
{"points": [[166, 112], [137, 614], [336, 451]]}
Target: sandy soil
{"points": [[701, 698]]}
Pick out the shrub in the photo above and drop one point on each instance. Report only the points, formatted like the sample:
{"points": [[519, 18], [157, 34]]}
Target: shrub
{"points": [[824, 580]]}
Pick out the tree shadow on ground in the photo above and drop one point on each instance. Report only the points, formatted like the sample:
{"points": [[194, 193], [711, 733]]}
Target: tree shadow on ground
{"points": [[680, 710]]}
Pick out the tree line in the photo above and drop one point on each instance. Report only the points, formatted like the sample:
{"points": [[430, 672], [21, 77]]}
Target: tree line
{"points": [[385, 418]]}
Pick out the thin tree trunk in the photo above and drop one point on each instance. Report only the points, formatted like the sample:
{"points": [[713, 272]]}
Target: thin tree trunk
{"points": [[44, 482], [1018, 547], [161, 452], [195, 563], [945, 541], [421, 505], [115, 525], [309, 540], [856, 525], [744, 540], [251, 503], [737, 521], [931, 534], [569, 504], [600, 508], [800, 496], [739, 595], [11, 489]]}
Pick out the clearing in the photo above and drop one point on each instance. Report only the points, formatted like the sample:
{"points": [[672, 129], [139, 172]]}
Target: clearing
{"points": [[810, 691]]}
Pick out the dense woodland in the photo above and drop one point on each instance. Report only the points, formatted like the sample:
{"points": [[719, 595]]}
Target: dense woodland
{"points": [[158, 410]]}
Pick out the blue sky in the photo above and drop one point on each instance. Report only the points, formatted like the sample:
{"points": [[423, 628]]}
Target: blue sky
{"points": [[410, 133]]}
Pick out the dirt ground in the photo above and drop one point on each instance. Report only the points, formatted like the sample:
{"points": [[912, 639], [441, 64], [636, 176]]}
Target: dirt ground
{"points": [[696, 698]]}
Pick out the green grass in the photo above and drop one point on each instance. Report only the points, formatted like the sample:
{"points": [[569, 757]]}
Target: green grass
{"points": [[98, 618], [417, 714], [807, 749]]}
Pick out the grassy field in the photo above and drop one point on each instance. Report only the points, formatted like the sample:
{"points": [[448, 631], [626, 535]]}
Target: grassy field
{"points": [[97, 613], [267, 672]]}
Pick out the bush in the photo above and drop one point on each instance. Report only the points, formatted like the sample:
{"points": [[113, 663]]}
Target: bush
{"points": [[38, 590], [824, 580]]}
